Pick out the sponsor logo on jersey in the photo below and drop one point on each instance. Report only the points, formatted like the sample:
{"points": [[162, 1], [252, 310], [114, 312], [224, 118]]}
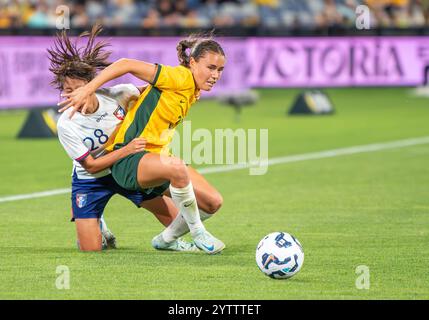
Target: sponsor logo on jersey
{"points": [[81, 200], [119, 113], [102, 117], [174, 125]]}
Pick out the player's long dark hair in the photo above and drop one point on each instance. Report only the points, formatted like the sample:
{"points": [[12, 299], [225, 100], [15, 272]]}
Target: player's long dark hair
{"points": [[67, 60], [198, 45]]}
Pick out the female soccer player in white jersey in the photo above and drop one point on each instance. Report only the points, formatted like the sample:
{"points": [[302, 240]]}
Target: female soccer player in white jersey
{"points": [[162, 106], [83, 138], [159, 110]]}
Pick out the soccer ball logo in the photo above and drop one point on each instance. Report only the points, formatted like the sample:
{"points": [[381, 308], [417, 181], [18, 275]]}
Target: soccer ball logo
{"points": [[279, 255]]}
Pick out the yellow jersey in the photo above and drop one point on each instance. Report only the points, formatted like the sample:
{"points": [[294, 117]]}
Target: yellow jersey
{"points": [[159, 109]]}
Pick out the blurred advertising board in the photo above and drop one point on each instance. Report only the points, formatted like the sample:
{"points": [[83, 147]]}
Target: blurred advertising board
{"points": [[251, 62]]}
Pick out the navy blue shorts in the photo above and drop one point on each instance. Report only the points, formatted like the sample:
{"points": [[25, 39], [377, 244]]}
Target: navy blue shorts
{"points": [[90, 196]]}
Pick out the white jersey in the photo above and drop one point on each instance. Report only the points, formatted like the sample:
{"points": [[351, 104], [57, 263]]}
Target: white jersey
{"points": [[86, 134]]}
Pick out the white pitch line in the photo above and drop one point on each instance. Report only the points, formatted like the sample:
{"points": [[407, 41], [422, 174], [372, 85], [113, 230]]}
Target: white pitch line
{"points": [[35, 195], [280, 160], [324, 154]]}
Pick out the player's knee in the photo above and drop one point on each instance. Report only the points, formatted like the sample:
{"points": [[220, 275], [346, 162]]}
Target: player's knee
{"points": [[179, 172], [215, 203]]}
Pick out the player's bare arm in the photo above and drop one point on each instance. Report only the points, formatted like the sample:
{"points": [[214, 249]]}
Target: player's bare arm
{"points": [[79, 98], [96, 165]]}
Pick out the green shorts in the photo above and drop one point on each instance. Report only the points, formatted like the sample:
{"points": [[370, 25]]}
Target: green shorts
{"points": [[124, 172]]}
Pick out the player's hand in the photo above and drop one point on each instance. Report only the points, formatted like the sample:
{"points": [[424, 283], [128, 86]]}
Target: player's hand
{"points": [[136, 145], [79, 100]]}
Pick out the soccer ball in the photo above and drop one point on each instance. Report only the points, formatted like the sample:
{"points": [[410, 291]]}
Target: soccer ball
{"points": [[279, 255]]}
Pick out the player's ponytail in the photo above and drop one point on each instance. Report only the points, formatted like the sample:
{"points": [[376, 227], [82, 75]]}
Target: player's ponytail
{"points": [[196, 46], [182, 48]]}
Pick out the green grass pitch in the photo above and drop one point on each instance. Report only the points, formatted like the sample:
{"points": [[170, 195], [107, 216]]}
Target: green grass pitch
{"points": [[365, 209]]}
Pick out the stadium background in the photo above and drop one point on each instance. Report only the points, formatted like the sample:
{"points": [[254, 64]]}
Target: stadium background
{"points": [[365, 206]]}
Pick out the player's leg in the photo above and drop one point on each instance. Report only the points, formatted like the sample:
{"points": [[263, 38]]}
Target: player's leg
{"points": [[89, 199], [182, 194], [153, 170], [88, 234], [162, 208], [209, 201], [165, 211], [208, 197]]}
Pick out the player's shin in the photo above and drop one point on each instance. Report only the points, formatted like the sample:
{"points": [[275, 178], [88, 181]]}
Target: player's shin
{"points": [[184, 199], [178, 227]]}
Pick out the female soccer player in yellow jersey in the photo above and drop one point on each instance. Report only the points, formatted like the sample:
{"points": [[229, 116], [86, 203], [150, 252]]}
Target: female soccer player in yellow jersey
{"points": [[160, 108], [84, 139]]}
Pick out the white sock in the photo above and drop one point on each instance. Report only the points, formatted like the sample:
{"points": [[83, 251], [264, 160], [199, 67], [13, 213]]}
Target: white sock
{"points": [[185, 201], [204, 215], [178, 227], [103, 224]]}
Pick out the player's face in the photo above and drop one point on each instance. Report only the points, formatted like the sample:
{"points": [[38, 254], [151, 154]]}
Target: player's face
{"points": [[71, 84], [207, 70]]}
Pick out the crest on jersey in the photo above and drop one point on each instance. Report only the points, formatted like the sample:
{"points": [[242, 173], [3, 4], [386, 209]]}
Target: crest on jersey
{"points": [[174, 125], [81, 200], [119, 113]]}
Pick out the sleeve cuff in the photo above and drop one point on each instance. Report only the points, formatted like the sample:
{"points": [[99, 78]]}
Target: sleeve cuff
{"points": [[82, 157], [158, 71]]}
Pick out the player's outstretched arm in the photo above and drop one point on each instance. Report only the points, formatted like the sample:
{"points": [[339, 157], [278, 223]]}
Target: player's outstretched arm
{"points": [[79, 98], [96, 165]]}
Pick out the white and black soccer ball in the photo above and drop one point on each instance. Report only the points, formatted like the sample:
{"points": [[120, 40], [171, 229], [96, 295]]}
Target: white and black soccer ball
{"points": [[279, 255]]}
